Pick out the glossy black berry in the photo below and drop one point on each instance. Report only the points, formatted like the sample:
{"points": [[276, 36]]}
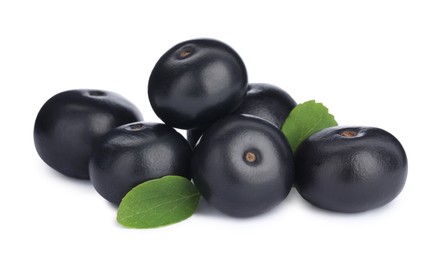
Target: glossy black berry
{"points": [[350, 169], [135, 153], [197, 82], [70, 124], [243, 165], [262, 100]]}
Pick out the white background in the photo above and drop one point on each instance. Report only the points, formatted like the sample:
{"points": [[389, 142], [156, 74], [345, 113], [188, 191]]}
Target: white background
{"points": [[374, 63]]}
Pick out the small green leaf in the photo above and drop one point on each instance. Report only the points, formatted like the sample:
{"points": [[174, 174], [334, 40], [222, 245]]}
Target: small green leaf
{"points": [[304, 120], [158, 202]]}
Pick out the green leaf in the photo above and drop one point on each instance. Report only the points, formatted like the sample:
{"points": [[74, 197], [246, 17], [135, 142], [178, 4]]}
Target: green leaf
{"points": [[304, 120], [158, 202]]}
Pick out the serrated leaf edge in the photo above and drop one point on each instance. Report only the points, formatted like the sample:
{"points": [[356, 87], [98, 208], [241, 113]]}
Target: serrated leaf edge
{"points": [[309, 132]]}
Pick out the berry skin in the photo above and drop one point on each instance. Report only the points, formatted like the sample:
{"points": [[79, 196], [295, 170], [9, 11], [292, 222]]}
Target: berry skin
{"points": [[350, 169], [70, 124], [243, 166], [135, 153], [262, 100], [197, 82]]}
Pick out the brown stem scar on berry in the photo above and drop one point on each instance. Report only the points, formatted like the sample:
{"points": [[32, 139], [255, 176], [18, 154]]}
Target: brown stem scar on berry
{"points": [[250, 157], [349, 133], [184, 53]]}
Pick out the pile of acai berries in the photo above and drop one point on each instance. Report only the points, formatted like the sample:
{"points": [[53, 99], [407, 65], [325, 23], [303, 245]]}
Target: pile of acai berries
{"points": [[247, 144]]}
